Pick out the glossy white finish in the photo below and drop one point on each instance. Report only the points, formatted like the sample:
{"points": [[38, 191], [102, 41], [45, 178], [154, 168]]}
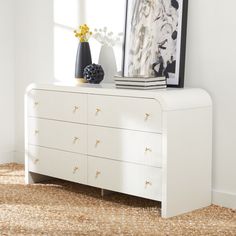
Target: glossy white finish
{"points": [[125, 112], [125, 145], [187, 151], [58, 105], [186, 98], [169, 150], [59, 164], [56, 134], [142, 181]]}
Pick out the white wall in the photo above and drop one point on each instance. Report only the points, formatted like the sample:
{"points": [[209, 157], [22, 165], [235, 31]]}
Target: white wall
{"points": [[7, 88], [34, 55], [67, 17], [211, 64]]}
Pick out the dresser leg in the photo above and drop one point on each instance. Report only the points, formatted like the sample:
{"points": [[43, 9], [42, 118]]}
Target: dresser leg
{"points": [[32, 178], [105, 192]]}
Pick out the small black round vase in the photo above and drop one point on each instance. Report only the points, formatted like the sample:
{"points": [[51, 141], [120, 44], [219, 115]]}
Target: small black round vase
{"points": [[93, 74], [83, 59]]}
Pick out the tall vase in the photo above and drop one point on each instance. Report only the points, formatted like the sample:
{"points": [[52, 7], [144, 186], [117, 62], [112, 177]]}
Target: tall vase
{"points": [[83, 59], [107, 60]]}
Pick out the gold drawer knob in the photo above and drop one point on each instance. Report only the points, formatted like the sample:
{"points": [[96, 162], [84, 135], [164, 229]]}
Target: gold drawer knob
{"points": [[76, 108], [97, 174], [148, 150], [97, 142], [36, 161], [36, 132], [76, 139], [75, 169], [147, 115], [97, 111], [148, 183]]}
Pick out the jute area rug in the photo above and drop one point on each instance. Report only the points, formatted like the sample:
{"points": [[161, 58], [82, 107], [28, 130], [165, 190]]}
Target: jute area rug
{"points": [[64, 208]]}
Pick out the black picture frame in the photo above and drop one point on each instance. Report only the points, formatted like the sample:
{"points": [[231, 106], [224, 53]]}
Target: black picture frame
{"points": [[177, 79]]}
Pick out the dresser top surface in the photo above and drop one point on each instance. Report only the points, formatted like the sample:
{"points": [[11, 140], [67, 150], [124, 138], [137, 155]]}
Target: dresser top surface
{"points": [[170, 98]]}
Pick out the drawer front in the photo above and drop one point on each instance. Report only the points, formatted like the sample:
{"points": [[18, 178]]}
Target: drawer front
{"points": [[137, 180], [123, 112], [58, 105], [59, 135], [125, 145], [58, 164]]}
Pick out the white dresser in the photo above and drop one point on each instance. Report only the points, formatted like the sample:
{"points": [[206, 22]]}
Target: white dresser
{"points": [[151, 144]]}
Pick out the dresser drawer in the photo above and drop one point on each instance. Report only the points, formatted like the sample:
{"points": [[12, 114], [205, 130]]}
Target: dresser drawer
{"points": [[124, 177], [59, 164], [59, 135], [125, 145], [58, 105], [124, 112]]}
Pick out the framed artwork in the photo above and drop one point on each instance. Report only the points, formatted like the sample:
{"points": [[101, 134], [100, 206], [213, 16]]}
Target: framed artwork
{"points": [[155, 39]]}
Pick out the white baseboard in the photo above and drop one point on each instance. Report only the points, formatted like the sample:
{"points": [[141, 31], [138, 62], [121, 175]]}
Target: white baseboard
{"points": [[224, 199], [19, 157], [6, 157]]}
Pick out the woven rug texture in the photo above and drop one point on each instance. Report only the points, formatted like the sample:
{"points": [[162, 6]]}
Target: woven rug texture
{"points": [[62, 208]]}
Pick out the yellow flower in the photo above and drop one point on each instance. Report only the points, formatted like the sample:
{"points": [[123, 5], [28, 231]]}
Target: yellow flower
{"points": [[83, 33]]}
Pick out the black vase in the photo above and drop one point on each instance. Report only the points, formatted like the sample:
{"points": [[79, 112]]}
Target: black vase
{"points": [[83, 59]]}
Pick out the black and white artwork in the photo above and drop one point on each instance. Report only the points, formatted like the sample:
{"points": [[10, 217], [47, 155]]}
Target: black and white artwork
{"points": [[155, 39]]}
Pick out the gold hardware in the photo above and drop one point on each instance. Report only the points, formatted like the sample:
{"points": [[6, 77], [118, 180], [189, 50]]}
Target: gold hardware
{"points": [[76, 108], [148, 183], [147, 115], [36, 132], [75, 169], [75, 140], [98, 110], [36, 161], [97, 142], [97, 174], [148, 150]]}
